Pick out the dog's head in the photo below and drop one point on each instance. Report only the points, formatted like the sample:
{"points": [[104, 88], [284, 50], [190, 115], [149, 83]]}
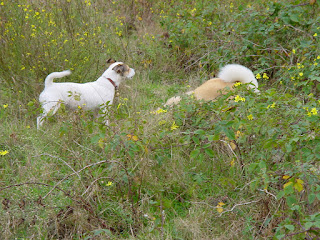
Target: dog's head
{"points": [[122, 69]]}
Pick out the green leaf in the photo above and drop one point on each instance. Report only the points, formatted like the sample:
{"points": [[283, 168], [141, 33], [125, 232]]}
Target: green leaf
{"points": [[229, 133], [194, 153], [291, 201], [209, 152], [196, 140], [99, 231], [308, 225], [311, 198], [280, 236], [294, 17], [280, 194], [289, 227], [263, 165], [200, 132]]}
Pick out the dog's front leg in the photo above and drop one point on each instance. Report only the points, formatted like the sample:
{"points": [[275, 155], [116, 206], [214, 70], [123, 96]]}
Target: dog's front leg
{"points": [[104, 114]]}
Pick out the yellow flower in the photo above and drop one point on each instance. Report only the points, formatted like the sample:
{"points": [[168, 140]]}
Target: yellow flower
{"points": [[265, 76], [132, 137], [301, 74], [314, 111], [293, 51], [250, 117], [109, 183], [315, 34], [219, 207], [318, 57], [237, 84], [160, 110], [238, 98], [5, 152], [232, 163], [5, 105], [162, 122], [273, 105], [174, 126], [258, 76]]}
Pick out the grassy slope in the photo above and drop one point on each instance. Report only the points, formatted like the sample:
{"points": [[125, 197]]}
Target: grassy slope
{"points": [[142, 177]]}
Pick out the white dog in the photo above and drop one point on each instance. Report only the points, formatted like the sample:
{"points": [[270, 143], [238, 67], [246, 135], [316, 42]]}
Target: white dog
{"points": [[88, 96]]}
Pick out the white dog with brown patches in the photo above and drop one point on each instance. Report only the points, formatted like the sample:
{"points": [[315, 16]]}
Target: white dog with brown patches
{"points": [[227, 77], [88, 96]]}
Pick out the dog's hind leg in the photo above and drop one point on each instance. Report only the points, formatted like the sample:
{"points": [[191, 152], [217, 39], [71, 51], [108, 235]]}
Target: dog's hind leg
{"points": [[49, 108]]}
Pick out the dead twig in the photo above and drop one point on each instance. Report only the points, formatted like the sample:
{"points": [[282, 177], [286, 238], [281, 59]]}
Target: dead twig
{"points": [[269, 193], [237, 205], [88, 166]]}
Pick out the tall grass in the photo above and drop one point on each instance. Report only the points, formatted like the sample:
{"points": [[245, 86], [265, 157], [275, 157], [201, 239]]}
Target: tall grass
{"points": [[228, 169]]}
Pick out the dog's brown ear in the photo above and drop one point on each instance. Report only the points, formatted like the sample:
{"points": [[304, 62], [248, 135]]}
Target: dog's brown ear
{"points": [[120, 69], [110, 61]]}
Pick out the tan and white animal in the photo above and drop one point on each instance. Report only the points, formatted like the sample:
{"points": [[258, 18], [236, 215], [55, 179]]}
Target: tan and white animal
{"points": [[88, 96], [227, 77]]}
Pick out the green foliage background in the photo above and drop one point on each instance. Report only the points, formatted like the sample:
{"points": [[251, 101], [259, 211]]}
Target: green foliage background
{"points": [[236, 168]]}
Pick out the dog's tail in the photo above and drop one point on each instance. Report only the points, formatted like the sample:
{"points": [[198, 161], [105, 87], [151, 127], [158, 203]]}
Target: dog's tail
{"points": [[238, 73], [51, 76]]}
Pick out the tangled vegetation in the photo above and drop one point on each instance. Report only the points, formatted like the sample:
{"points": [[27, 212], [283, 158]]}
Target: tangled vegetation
{"points": [[245, 166]]}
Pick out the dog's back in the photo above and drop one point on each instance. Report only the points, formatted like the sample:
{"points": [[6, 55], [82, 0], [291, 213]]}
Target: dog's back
{"points": [[211, 89]]}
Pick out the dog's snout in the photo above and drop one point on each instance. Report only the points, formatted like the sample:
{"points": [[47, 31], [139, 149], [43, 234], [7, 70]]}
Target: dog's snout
{"points": [[131, 73]]}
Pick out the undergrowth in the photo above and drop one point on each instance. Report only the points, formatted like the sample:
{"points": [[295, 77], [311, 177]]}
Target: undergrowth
{"points": [[245, 166]]}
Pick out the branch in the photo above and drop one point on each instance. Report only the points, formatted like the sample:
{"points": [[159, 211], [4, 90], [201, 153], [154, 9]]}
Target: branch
{"points": [[55, 186], [231, 149], [292, 234], [49, 155], [266, 191], [238, 204]]}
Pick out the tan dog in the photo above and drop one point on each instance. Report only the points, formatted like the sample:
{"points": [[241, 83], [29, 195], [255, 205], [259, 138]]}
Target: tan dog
{"points": [[227, 77]]}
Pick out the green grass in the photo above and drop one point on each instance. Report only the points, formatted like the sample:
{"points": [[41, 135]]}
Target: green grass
{"points": [[218, 170]]}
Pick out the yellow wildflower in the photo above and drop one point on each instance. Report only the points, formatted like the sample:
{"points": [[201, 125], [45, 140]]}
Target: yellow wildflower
{"points": [[159, 111], [293, 51], [238, 98], [315, 34], [250, 117], [273, 105], [265, 76], [109, 183], [301, 74], [314, 111], [3, 152], [258, 76], [219, 207], [132, 137], [5, 105], [237, 84], [162, 122], [174, 126]]}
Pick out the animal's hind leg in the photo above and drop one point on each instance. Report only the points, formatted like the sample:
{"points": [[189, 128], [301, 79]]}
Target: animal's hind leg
{"points": [[49, 108]]}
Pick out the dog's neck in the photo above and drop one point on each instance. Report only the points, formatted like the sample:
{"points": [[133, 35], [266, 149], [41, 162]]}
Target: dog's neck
{"points": [[112, 82]]}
